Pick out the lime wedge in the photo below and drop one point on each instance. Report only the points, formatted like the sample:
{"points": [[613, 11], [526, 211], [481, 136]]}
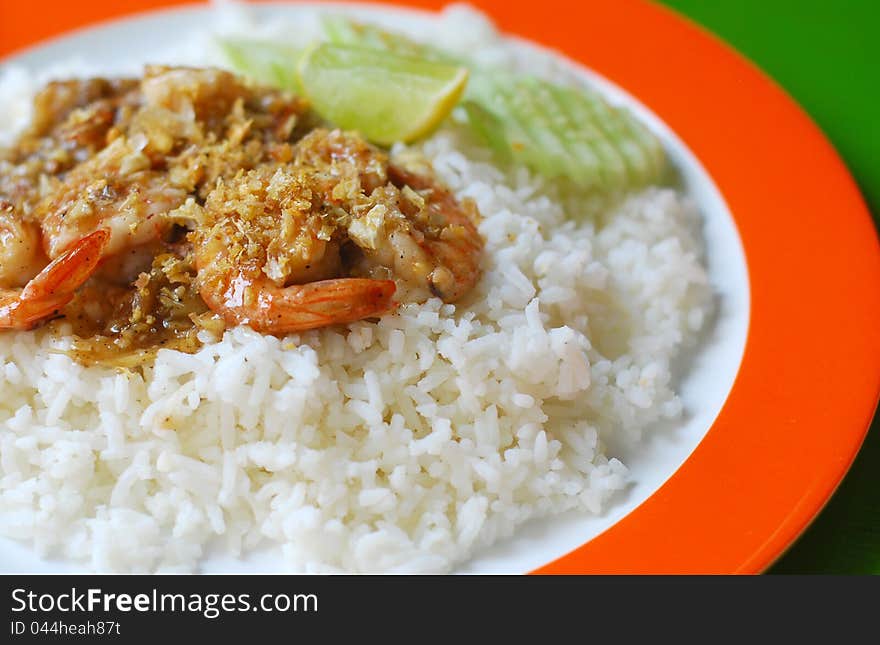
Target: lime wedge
{"points": [[341, 30], [267, 62], [388, 97]]}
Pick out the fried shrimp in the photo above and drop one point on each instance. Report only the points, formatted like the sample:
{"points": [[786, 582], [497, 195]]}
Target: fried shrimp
{"points": [[184, 129], [54, 286], [191, 199], [243, 295], [117, 190], [21, 257], [402, 220], [419, 231], [269, 257], [316, 241]]}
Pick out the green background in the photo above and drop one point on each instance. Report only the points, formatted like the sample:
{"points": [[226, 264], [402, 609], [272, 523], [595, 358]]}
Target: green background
{"points": [[826, 54]]}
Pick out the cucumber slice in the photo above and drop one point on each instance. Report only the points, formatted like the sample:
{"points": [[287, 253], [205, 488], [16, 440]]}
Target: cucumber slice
{"points": [[563, 131]]}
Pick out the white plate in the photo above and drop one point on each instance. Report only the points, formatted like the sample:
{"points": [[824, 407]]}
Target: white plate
{"points": [[709, 373]]}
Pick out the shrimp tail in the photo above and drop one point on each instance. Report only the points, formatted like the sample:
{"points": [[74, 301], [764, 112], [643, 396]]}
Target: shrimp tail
{"points": [[328, 302], [54, 286], [282, 310]]}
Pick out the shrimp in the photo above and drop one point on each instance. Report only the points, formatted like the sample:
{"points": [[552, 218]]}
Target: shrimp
{"points": [[54, 286], [56, 106], [21, 257], [72, 120], [268, 257], [183, 129], [418, 230], [239, 290], [205, 94], [399, 216], [116, 190], [245, 298]]}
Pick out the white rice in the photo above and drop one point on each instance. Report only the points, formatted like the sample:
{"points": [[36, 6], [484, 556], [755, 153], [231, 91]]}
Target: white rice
{"points": [[397, 446]]}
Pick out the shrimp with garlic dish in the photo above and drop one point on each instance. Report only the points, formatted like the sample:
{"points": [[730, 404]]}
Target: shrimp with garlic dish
{"points": [[193, 200]]}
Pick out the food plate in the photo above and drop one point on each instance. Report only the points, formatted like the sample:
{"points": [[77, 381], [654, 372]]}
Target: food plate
{"points": [[778, 397]]}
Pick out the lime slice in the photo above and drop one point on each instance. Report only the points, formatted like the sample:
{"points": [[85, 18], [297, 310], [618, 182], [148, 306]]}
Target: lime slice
{"points": [[341, 30], [267, 62], [388, 97]]}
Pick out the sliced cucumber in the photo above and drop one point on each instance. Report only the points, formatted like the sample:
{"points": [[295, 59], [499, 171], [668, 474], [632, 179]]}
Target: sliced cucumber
{"points": [[563, 131]]}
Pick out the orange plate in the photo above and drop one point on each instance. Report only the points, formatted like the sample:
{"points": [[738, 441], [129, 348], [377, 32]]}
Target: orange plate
{"points": [[809, 381]]}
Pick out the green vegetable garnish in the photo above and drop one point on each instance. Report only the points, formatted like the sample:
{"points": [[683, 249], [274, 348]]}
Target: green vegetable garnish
{"points": [[386, 96], [564, 132], [340, 30], [392, 88], [267, 62], [555, 130]]}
